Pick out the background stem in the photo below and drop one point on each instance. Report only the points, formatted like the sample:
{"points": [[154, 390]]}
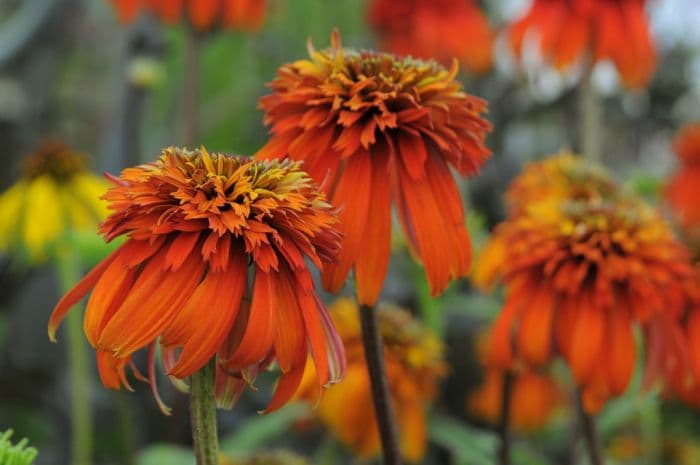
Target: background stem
{"points": [[203, 415], [504, 423], [590, 435], [80, 379], [590, 118], [374, 354], [190, 91]]}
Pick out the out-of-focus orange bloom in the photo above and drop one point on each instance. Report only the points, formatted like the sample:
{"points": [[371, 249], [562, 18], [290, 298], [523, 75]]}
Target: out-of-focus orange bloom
{"points": [[541, 187], [534, 397], [435, 29], [202, 14], [375, 128], [414, 368], [579, 275], [195, 224], [683, 191], [571, 30]]}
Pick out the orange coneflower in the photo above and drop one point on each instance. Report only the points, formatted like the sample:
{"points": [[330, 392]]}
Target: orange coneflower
{"points": [[683, 191], [540, 187], [533, 401], [579, 275], [571, 30], [439, 29], [202, 14], [196, 223], [414, 364], [375, 127]]}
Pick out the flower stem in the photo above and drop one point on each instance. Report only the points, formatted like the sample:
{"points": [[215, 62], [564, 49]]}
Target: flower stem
{"points": [[590, 118], [374, 354], [190, 90], [590, 435], [504, 422], [203, 415], [81, 411]]}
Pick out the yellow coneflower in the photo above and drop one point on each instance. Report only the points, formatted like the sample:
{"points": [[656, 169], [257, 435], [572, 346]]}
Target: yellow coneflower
{"points": [[414, 367], [56, 183]]}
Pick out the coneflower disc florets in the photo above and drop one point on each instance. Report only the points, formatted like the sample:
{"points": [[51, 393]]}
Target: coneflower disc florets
{"points": [[195, 223]]}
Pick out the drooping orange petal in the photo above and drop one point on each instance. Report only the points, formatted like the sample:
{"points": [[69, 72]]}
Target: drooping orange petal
{"points": [[290, 333], [352, 196], [620, 356], [77, 293], [535, 328], [259, 333], [587, 339], [214, 306], [373, 257], [203, 12]]}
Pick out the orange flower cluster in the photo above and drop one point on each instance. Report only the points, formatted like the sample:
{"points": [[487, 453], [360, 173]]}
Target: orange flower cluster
{"points": [[414, 367], [571, 30], [202, 14], [375, 128], [579, 274], [683, 191], [534, 399], [439, 29], [195, 224]]}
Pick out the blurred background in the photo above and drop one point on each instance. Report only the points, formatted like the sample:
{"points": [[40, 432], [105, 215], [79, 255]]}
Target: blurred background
{"points": [[70, 70]]}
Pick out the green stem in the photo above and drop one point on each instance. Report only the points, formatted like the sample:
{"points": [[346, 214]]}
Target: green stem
{"points": [[190, 91], [504, 422], [81, 412], [590, 435], [203, 415], [590, 119]]}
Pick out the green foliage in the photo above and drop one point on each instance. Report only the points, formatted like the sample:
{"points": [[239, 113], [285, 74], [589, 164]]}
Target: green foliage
{"points": [[19, 454]]}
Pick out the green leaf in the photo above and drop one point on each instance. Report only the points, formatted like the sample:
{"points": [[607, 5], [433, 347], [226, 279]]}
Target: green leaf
{"points": [[160, 454], [468, 445], [264, 429]]}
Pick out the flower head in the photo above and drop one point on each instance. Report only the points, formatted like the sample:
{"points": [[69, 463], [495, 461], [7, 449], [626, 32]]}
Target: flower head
{"points": [[440, 29], [534, 399], [196, 224], [375, 128], [414, 367], [578, 277], [202, 14], [56, 184], [683, 190], [568, 31]]}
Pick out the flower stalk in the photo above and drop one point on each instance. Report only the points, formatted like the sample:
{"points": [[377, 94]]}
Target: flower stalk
{"points": [[374, 355], [590, 434], [504, 422], [590, 117], [80, 409], [203, 415]]}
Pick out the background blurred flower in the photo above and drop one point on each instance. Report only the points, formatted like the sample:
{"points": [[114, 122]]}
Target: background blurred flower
{"points": [[534, 397], [375, 127], [578, 276], [195, 223], [435, 29], [569, 31], [414, 365], [683, 190], [202, 14], [55, 195]]}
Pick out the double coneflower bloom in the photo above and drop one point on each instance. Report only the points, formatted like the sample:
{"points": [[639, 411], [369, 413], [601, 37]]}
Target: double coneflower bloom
{"points": [[570, 31], [435, 29], [56, 182], [683, 190], [213, 266], [378, 129], [579, 275], [534, 399], [414, 368], [202, 14]]}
